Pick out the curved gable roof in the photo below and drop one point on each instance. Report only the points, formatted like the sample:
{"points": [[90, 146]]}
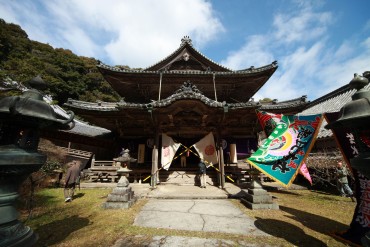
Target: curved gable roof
{"points": [[187, 64], [188, 55]]}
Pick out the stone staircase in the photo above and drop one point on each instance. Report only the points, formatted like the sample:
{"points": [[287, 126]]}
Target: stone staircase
{"points": [[186, 177]]}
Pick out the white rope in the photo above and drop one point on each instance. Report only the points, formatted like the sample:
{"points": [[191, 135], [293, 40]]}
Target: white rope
{"points": [[160, 86], [214, 85]]}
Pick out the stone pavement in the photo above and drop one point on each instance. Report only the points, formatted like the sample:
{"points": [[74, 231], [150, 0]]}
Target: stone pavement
{"points": [[178, 241], [196, 215], [190, 208]]}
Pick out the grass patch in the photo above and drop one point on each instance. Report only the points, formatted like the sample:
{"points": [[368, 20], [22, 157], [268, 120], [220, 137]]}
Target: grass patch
{"points": [[305, 218]]}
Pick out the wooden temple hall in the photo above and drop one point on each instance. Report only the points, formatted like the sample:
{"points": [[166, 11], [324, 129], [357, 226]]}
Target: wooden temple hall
{"points": [[185, 96]]}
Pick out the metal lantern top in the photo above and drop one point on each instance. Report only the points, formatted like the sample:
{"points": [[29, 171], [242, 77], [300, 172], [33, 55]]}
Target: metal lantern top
{"points": [[30, 109], [356, 113]]}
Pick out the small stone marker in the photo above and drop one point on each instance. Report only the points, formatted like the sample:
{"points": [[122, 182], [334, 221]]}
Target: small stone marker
{"points": [[122, 196], [257, 198]]}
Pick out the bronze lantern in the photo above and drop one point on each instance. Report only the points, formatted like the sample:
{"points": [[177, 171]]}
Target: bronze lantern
{"points": [[21, 119]]}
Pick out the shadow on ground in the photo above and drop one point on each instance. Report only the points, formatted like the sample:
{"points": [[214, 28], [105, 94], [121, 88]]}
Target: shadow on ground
{"points": [[78, 195], [296, 235], [57, 231], [314, 222]]}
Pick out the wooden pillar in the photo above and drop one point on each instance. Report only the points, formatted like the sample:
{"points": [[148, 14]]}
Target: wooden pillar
{"points": [[233, 154], [155, 161], [153, 181], [222, 167]]}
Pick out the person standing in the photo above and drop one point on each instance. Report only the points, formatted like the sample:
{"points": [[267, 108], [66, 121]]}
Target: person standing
{"points": [[73, 174], [342, 181], [183, 160], [202, 174]]}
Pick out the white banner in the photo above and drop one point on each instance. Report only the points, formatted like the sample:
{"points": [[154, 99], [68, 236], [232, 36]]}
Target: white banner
{"points": [[169, 148], [206, 149]]}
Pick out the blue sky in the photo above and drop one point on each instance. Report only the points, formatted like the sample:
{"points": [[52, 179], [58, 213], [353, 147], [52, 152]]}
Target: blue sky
{"points": [[319, 45]]}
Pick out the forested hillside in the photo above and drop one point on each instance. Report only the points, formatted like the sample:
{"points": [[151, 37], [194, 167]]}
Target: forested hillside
{"points": [[67, 75]]}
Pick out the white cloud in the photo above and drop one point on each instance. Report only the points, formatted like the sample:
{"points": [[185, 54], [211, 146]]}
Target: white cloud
{"points": [[301, 26], [298, 69], [7, 13], [308, 63], [253, 53], [137, 33]]}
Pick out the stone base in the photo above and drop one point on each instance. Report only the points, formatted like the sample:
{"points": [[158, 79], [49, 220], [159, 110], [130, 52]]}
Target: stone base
{"points": [[254, 206], [117, 205], [257, 198]]}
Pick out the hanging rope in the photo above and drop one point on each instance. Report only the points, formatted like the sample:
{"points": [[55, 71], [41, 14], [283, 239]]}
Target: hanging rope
{"points": [[160, 86], [168, 163], [186, 150]]}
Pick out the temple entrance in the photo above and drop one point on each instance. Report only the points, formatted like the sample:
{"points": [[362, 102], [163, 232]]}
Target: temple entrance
{"points": [[184, 167], [187, 159]]}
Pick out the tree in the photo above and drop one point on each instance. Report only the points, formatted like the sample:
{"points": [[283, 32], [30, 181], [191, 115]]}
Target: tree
{"points": [[67, 75]]}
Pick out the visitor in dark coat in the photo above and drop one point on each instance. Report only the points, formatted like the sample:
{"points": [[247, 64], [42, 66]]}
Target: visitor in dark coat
{"points": [[202, 174], [73, 175]]}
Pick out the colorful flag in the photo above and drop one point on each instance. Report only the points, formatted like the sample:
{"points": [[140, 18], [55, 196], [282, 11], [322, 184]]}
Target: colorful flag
{"points": [[268, 123], [206, 149], [283, 152], [169, 148], [360, 224], [305, 173]]}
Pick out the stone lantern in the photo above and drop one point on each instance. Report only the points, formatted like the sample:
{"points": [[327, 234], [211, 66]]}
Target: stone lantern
{"points": [[355, 117], [21, 119], [122, 196]]}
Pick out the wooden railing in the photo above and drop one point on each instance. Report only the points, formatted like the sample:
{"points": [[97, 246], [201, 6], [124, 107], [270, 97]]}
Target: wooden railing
{"points": [[76, 152], [103, 170]]}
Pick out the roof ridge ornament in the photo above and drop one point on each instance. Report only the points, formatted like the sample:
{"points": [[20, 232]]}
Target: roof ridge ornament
{"points": [[188, 87], [186, 40]]}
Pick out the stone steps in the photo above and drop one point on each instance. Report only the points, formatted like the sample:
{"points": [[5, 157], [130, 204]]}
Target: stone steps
{"points": [[185, 178]]}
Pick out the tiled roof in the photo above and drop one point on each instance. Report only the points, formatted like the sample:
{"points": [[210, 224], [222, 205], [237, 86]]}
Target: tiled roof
{"points": [[182, 93], [187, 91], [331, 102], [80, 127], [85, 129], [186, 41], [250, 70], [274, 105]]}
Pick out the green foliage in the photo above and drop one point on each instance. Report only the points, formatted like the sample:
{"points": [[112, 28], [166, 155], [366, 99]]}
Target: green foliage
{"points": [[50, 166], [67, 75], [266, 100]]}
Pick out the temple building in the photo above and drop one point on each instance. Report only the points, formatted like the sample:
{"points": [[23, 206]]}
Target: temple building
{"points": [[185, 96]]}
